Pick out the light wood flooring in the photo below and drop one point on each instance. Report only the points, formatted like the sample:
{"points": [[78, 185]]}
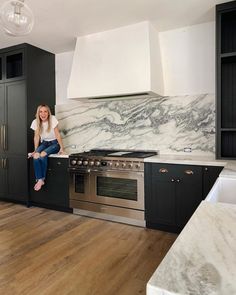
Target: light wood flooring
{"points": [[48, 252]]}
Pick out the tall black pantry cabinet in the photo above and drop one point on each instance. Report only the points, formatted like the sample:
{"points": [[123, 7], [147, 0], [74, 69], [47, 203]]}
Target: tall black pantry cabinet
{"points": [[226, 79], [27, 79]]}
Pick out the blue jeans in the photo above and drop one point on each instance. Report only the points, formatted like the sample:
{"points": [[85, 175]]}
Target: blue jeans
{"points": [[40, 164]]}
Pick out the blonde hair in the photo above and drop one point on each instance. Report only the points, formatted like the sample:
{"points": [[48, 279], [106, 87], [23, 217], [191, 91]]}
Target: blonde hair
{"points": [[39, 121]]}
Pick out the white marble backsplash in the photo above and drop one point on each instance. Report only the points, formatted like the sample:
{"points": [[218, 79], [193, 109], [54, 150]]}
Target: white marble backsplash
{"points": [[167, 124]]}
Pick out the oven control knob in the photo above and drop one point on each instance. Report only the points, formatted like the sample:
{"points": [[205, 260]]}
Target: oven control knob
{"points": [[79, 162], [85, 163], [97, 163], [123, 165], [137, 166], [109, 164], [91, 163], [117, 164], [130, 165], [73, 162]]}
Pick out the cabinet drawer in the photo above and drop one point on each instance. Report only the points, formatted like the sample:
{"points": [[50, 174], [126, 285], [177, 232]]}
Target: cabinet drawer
{"points": [[167, 172], [58, 164]]}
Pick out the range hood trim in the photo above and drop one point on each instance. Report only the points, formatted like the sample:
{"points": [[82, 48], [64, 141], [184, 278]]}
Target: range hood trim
{"points": [[147, 94]]}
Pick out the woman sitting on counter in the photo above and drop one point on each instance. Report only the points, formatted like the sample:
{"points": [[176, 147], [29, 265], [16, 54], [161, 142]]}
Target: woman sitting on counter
{"points": [[47, 140]]}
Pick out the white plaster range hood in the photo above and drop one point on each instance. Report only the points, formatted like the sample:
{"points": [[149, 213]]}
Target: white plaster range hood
{"points": [[119, 63]]}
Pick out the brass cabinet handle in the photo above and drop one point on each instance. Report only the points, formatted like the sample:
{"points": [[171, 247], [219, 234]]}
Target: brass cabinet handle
{"points": [[1, 136], [4, 137], [5, 163], [163, 170], [189, 172]]}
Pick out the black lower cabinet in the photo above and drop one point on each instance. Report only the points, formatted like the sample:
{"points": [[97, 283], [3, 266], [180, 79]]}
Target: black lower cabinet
{"points": [[173, 192], [54, 194], [210, 174], [13, 178]]}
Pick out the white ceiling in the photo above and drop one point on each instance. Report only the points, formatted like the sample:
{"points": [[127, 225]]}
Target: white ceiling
{"points": [[59, 22]]}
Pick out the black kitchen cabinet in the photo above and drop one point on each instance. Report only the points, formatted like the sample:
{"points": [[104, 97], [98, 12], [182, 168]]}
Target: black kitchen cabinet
{"points": [[173, 192], [1, 65], [55, 193], [210, 174], [226, 80], [27, 79]]}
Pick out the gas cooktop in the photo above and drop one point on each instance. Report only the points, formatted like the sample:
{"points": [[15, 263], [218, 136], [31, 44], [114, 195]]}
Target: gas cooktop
{"points": [[110, 160], [115, 153]]}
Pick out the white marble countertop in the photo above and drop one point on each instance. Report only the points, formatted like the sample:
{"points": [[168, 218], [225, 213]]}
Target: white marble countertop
{"points": [[186, 159], [229, 165], [202, 261], [58, 156]]}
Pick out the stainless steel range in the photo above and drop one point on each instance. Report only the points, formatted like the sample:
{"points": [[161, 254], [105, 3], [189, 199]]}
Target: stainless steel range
{"points": [[109, 184]]}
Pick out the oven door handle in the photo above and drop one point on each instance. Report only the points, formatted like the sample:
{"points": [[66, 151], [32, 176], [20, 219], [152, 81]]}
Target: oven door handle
{"points": [[109, 172], [76, 170]]}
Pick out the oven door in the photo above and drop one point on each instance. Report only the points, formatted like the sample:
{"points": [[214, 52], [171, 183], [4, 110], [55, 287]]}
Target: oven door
{"points": [[118, 188], [79, 184]]}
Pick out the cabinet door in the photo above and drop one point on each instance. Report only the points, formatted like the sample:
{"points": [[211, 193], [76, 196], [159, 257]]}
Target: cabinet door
{"points": [[188, 192], [16, 127], [3, 177], [58, 182], [1, 68], [210, 174], [56, 189], [159, 195], [17, 170], [2, 115]]}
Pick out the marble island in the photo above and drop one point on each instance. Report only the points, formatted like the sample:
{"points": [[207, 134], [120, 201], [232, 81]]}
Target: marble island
{"points": [[202, 261]]}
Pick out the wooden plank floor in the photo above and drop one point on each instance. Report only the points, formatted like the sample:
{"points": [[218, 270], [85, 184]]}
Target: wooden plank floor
{"points": [[48, 252]]}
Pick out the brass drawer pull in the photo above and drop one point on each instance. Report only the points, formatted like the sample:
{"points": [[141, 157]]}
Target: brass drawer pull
{"points": [[189, 172], [163, 170]]}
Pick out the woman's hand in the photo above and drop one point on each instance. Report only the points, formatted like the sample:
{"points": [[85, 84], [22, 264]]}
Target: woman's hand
{"points": [[31, 154], [61, 152]]}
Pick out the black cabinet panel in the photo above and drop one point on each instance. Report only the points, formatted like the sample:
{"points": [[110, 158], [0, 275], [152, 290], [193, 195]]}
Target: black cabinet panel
{"points": [[3, 177], [173, 192], [2, 115], [228, 31], [55, 192], [14, 65], [17, 167], [161, 202], [16, 117], [1, 69], [188, 197], [210, 174]]}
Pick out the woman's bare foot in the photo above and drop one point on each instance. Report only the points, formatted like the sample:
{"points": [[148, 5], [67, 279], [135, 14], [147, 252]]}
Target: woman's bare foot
{"points": [[38, 185]]}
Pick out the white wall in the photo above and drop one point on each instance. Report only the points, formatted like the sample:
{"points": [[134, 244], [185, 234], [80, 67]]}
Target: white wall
{"points": [[188, 60], [63, 70]]}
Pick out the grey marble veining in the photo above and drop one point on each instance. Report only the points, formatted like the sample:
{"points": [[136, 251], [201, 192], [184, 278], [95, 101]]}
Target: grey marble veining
{"points": [[165, 123], [202, 261]]}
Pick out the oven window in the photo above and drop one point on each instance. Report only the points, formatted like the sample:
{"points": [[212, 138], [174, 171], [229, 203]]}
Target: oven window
{"points": [[117, 188], [79, 183]]}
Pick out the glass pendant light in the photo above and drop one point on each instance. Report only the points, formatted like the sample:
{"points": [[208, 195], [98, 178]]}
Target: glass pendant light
{"points": [[16, 17]]}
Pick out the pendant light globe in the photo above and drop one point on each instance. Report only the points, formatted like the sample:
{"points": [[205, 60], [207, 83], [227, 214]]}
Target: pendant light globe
{"points": [[16, 17]]}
